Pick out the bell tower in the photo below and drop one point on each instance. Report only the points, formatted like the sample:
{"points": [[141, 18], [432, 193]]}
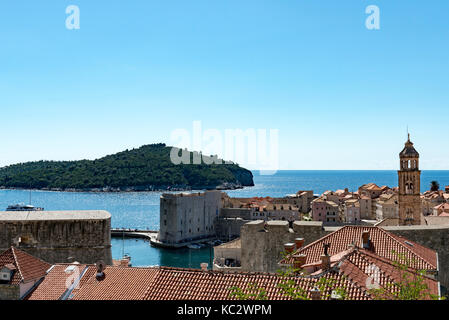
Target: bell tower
{"points": [[409, 178]]}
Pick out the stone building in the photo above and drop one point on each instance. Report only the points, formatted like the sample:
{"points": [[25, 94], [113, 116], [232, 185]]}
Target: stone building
{"points": [[58, 236], [409, 181], [186, 217], [352, 211], [387, 207], [227, 256], [326, 211], [301, 199]]}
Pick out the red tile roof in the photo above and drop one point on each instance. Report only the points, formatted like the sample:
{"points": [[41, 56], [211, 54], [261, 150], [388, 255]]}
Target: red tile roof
{"points": [[349, 271], [164, 283], [28, 268], [182, 284], [118, 283], [383, 243], [365, 268], [58, 280]]}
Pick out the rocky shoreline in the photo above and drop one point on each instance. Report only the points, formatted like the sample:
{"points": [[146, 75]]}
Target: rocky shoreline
{"points": [[107, 189]]}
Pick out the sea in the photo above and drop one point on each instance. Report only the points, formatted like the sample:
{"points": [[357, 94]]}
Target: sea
{"points": [[140, 210]]}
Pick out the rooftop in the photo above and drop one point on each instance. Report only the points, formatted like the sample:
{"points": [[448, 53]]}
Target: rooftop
{"points": [[27, 267], [383, 243]]}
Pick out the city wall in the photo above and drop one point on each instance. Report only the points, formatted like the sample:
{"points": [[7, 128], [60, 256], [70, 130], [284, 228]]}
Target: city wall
{"points": [[57, 237], [263, 243]]}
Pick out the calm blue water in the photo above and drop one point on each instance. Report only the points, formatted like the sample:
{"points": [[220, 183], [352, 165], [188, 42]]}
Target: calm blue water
{"points": [[141, 210]]}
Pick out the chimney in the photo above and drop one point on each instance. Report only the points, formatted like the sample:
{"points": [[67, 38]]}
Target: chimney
{"points": [[315, 294], [204, 266], [325, 261], [289, 247], [365, 240], [299, 242], [100, 270], [299, 260]]}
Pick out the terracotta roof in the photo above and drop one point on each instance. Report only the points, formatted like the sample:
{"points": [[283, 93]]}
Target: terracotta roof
{"points": [[383, 243], [363, 267], [349, 271], [118, 283], [182, 284], [28, 268], [164, 283], [59, 279], [444, 207]]}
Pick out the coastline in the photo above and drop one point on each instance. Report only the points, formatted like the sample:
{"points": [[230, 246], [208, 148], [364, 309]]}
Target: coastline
{"points": [[225, 186]]}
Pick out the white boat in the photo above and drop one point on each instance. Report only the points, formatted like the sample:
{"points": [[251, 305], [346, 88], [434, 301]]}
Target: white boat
{"points": [[194, 246], [23, 207]]}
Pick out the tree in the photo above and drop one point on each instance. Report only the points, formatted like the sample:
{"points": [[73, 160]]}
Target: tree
{"points": [[253, 293], [434, 186]]}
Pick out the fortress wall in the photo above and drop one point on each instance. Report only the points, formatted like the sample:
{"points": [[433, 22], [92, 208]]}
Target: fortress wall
{"points": [[263, 244], [229, 228], [187, 216], [60, 240], [243, 213]]}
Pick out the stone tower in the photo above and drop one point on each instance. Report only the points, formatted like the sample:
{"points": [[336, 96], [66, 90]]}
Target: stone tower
{"points": [[409, 186]]}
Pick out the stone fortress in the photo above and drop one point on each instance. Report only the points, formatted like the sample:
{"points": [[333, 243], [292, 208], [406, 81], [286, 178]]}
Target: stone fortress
{"points": [[187, 218], [58, 236]]}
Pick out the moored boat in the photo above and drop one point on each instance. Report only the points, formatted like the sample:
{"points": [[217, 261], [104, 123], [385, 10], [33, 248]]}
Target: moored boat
{"points": [[23, 207]]}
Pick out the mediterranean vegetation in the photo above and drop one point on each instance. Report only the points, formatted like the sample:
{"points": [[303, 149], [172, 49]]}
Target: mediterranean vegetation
{"points": [[146, 168]]}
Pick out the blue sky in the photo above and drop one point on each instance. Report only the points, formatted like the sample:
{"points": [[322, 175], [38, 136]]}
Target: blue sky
{"points": [[340, 95]]}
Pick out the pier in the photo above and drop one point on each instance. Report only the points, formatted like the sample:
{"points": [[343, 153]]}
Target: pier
{"points": [[151, 235], [134, 233]]}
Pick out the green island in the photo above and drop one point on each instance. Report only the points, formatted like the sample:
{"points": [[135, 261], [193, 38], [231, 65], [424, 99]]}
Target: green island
{"points": [[148, 168]]}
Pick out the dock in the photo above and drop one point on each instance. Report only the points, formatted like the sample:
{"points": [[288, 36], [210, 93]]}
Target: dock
{"points": [[157, 243], [151, 235], [134, 233]]}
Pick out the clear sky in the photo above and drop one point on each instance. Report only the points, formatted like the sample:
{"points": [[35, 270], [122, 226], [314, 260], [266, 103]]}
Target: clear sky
{"points": [[340, 95]]}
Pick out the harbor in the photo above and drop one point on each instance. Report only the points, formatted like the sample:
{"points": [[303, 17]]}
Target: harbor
{"points": [[151, 236]]}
